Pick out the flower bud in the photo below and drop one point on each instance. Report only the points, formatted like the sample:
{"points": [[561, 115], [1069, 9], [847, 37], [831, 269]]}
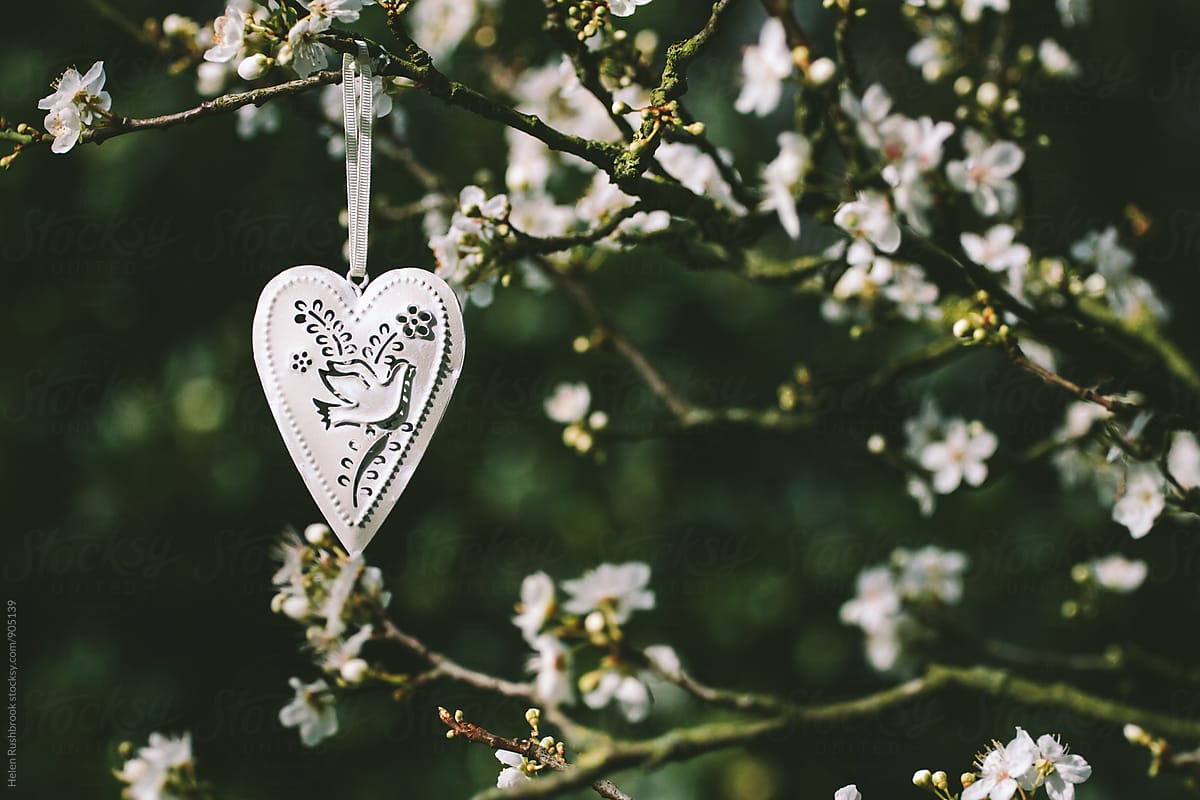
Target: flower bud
{"points": [[354, 670], [940, 781], [547, 743], [533, 717], [1136, 735], [962, 327], [922, 779], [595, 622], [179, 25], [589, 681], [296, 607], [966, 779], [988, 94], [821, 71], [316, 534], [253, 67], [598, 420], [876, 444], [1095, 284]]}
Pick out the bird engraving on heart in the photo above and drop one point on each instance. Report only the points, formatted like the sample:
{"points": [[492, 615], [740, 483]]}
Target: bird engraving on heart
{"points": [[357, 381]]}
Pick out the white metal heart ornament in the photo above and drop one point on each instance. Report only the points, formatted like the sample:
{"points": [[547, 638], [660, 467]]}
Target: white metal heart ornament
{"points": [[357, 381]]}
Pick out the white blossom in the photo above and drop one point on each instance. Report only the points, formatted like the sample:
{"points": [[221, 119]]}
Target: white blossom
{"points": [[537, 603], [441, 25], [619, 589], [1081, 416], [342, 657], [664, 659], [885, 645], [764, 68], [1056, 61], [211, 78], [698, 172], [869, 113], [1117, 573], [513, 773], [870, 217], [551, 665], [783, 177], [312, 711], [923, 429], [986, 173], [334, 10], [631, 694], [1002, 769], [148, 774], [931, 573], [179, 25], [229, 31], [76, 102], [996, 249], [848, 793], [1142, 500], [64, 124], [972, 11], [1103, 250], [569, 403], [339, 592], [625, 8], [1074, 12], [866, 272], [1055, 769], [961, 455], [253, 120], [922, 492], [877, 600], [1183, 459], [932, 55], [308, 54], [915, 297], [464, 249]]}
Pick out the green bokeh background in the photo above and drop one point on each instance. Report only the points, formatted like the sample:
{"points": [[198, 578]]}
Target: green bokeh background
{"points": [[145, 481]]}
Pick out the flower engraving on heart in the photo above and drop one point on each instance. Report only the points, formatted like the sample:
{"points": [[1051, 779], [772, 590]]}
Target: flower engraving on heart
{"points": [[357, 382]]}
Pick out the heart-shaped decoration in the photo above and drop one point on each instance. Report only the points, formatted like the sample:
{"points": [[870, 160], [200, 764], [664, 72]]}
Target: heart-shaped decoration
{"points": [[357, 381]]}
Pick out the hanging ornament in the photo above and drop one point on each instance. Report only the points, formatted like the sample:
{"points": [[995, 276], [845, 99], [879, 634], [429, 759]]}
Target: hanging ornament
{"points": [[357, 372]]}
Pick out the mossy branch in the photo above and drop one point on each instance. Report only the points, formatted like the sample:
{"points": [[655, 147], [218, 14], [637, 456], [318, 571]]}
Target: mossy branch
{"points": [[686, 743]]}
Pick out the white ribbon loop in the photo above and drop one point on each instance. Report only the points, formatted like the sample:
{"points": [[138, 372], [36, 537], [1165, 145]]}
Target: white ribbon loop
{"points": [[358, 115]]}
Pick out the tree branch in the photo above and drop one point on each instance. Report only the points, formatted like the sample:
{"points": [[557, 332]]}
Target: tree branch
{"points": [[688, 742], [220, 105]]}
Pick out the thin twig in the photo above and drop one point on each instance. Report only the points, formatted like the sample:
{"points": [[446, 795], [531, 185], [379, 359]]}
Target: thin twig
{"points": [[527, 748], [219, 105], [1075, 389]]}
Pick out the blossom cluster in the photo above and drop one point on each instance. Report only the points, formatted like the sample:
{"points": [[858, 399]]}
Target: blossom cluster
{"points": [[470, 245], [569, 406], [162, 769], [340, 601], [891, 597], [948, 452], [76, 103], [1021, 768], [593, 613], [1111, 457]]}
